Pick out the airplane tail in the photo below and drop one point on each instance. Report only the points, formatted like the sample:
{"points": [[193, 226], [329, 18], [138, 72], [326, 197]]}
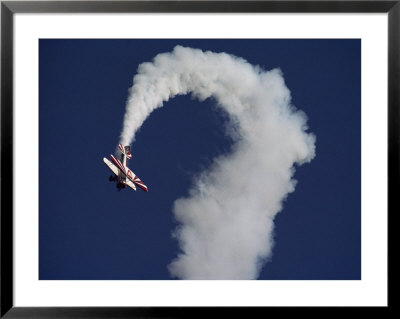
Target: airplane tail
{"points": [[125, 150]]}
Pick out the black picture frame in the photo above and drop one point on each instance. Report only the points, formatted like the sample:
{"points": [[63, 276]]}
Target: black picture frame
{"points": [[9, 8]]}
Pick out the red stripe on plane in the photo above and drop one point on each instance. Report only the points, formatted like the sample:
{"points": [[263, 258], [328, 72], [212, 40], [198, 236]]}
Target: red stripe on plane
{"points": [[116, 162], [120, 163], [142, 186]]}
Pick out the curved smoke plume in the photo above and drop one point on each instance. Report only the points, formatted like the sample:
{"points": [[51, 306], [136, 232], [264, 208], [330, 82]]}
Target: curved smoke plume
{"points": [[226, 222]]}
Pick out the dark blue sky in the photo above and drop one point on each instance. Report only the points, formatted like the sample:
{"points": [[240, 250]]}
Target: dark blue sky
{"points": [[88, 230]]}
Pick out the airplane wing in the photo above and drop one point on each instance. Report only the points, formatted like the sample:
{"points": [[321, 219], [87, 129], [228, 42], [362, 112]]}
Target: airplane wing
{"points": [[136, 180], [111, 166]]}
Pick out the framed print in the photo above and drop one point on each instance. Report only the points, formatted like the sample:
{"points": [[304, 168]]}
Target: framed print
{"points": [[165, 158]]}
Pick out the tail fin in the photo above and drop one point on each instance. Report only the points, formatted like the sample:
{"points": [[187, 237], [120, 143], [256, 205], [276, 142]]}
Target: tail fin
{"points": [[125, 150], [128, 152]]}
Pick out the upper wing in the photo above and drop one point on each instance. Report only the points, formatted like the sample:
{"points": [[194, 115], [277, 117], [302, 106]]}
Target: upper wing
{"points": [[111, 166]]}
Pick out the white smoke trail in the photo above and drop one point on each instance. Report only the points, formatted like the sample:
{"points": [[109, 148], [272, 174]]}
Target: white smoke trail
{"points": [[226, 223]]}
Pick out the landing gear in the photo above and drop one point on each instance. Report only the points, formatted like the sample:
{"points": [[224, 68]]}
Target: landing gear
{"points": [[111, 178]]}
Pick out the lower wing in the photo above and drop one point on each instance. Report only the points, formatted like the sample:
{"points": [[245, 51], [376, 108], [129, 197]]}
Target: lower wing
{"points": [[136, 180], [130, 184]]}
